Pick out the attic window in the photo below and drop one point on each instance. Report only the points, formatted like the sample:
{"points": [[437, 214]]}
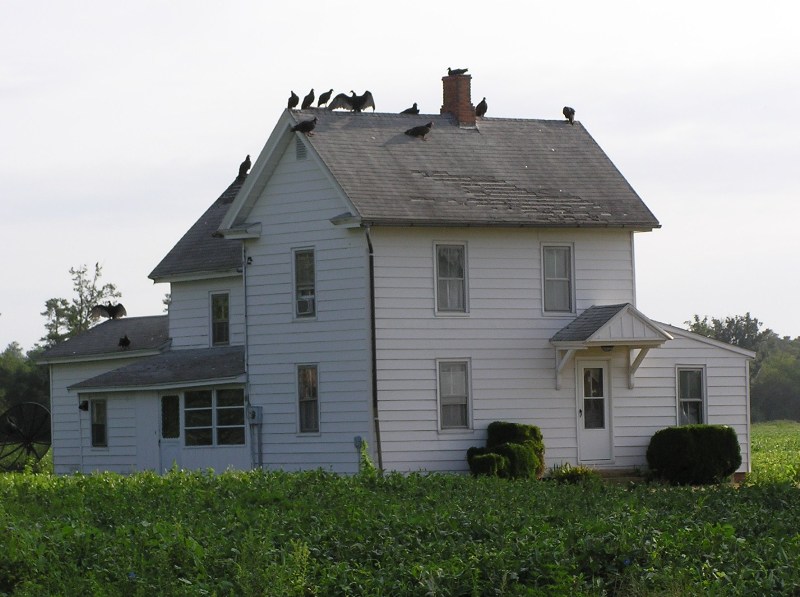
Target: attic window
{"points": [[300, 150]]}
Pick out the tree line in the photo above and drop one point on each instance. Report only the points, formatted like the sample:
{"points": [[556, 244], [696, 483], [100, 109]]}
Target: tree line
{"points": [[774, 373]]}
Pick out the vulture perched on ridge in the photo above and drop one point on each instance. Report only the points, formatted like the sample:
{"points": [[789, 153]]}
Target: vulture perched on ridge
{"points": [[354, 103], [308, 100], [481, 108], [412, 110], [324, 98], [108, 310], [294, 99], [569, 114]]}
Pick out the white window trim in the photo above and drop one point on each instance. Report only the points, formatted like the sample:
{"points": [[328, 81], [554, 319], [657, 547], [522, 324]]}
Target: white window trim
{"points": [[298, 432], [211, 296], [704, 387], [437, 311], [454, 430], [295, 316], [571, 247]]}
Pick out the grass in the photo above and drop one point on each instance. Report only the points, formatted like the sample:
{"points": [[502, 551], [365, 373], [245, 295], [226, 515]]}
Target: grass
{"points": [[315, 533], [775, 450]]}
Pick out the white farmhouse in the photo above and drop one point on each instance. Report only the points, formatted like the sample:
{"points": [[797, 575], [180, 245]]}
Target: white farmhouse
{"points": [[363, 284]]}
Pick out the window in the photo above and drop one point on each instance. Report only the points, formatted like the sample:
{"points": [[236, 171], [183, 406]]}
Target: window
{"points": [[451, 280], [220, 323], [690, 396], [170, 417], [214, 417], [304, 291], [99, 424], [453, 395], [308, 398], [557, 278]]}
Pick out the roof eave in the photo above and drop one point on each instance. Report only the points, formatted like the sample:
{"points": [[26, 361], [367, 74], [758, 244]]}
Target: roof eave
{"points": [[215, 381], [200, 275], [103, 356]]}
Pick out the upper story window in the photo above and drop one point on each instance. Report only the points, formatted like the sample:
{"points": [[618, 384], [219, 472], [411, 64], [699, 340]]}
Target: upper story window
{"points": [[691, 396], [220, 319], [451, 278], [557, 279], [308, 398], [304, 283], [99, 424]]}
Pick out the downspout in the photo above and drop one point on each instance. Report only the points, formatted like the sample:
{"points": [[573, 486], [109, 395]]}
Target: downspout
{"points": [[374, 343], [255, 428]]}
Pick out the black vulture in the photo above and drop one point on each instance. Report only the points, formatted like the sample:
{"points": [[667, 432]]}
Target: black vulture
{"points": [[569, 114], [244, 167], [412, 110], [324, 98], [294, 99], [420, 131], [124, 342], [456, 71], [354, 103], [481, 108], [308, 100], [108, 310], [306, 126]]}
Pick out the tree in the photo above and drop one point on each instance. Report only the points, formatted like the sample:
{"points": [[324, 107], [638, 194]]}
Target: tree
{"points": [[740, 330], [68, 318], [21, 379]]}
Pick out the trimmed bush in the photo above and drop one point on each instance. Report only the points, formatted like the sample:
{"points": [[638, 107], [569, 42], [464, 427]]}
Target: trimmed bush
{"points": [[694, 454], [519, 447], [573, 475]]}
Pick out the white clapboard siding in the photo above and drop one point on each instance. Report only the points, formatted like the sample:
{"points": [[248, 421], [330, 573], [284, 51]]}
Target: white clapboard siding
{"points": [[294, 210], [505, 336], [190, 311]]}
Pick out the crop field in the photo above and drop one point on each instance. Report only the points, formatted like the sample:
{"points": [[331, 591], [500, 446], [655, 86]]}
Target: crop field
{"points": [[315, 533]]}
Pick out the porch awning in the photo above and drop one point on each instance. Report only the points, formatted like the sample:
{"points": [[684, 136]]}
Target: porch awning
{"points": [[608, 326]]}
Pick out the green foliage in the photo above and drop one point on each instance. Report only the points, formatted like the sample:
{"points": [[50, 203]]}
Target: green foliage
{"points": [[316, 533], [566, 473], [694, 454], [519, 446], [775, 390], [21, 379], [68, 318], [775, 453], [741, 330]]}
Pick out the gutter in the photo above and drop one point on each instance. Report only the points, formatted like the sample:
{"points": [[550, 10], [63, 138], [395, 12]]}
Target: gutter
{"points": [[374, 342]]}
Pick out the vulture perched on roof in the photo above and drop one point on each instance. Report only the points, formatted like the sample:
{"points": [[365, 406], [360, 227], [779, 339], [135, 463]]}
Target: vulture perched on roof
{"points": [[108, 310], [324, 98], [244, 167], [354, 103], [308, 100], [124, 342], [305, 127], [481, 108], [412, 110], [420, 131], [456, 71], [569, 114], [294, 99]]}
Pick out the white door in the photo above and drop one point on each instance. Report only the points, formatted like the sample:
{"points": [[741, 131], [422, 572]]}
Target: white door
{"points": [[594, 409], [169, 441]]}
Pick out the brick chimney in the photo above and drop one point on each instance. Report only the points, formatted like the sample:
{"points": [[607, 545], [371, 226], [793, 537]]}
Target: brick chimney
{"points": [[457, 99]]}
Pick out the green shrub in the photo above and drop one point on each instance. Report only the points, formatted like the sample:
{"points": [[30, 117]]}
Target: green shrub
{"points": [[694, 454], [520, 447], [566, 473]]}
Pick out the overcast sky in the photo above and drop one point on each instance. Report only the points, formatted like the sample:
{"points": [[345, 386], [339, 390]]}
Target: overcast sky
{"points": [[121, 122]]}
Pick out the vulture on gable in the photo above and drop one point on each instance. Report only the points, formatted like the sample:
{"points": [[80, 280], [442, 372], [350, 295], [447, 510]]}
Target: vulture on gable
{"points": [[324, 98], [308, 100], [108, 310], [569, 114], [354, 103], [294, 99]]}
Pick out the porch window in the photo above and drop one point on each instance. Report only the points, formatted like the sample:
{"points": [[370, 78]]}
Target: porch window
{"points": [[691, 396], [99, 424], [220, 319], [214, 417], [557, 277], [451, 278], [304, 284], [308, 398], [453, 394]]}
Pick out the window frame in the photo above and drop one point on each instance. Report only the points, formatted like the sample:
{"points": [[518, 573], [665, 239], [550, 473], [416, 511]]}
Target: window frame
{"points": [[301, 399], [680, 400], [441, 401], [213, 321], [94, 409], [214, 425], [296, 287], [438, 279], [570, 279]]}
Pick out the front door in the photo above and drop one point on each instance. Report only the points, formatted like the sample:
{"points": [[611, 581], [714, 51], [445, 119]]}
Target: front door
{"points": [[169, 442], [594, 421]]}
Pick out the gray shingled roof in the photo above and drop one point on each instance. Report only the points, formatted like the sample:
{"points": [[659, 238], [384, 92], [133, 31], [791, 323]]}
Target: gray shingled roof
{"points": [[587, 323], [198, 252], [171, 368], [504, 172], [145, 333]]}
